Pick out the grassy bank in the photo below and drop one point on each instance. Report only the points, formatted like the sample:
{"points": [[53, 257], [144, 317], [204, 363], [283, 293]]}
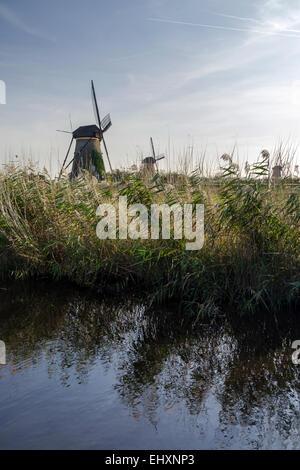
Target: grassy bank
{"points": [[250, 257]]}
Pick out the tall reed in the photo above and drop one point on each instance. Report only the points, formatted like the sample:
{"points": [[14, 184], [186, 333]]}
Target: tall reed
{"points": [[250, 259]]}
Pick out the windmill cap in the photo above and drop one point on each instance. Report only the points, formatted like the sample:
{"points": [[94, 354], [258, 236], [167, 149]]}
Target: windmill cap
{"points": [[87, 131], [149, 160]]}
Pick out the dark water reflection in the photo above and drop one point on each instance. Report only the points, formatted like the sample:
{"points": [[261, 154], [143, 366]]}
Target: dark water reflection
{"points": [[84, 373]]}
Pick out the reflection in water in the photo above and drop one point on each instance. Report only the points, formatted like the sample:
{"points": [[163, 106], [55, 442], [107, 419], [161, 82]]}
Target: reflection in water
{"points": [[136, 377]]}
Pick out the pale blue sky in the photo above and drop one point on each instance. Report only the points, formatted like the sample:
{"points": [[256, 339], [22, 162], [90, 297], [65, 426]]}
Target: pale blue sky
{"points": [[211, 73]]}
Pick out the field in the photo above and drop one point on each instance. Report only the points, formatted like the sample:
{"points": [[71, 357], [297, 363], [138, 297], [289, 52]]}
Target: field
{"points": [[249, 262]]}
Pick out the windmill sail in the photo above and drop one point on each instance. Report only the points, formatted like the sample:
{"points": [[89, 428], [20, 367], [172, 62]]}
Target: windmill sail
{"points": [[152, 146], [66, 157], [98, 121], [105, 123], [95, 107]]}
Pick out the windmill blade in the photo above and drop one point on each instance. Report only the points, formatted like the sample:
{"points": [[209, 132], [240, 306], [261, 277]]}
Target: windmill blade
{"points": [[95, 106], [160, 157], [71, 124], [66, 157], [152, 146], [98, 121], [106, 151], [66, 132], [105, 123]]}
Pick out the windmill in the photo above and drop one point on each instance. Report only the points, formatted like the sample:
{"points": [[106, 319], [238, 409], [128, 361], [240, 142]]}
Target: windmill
{"points": [[277, 171], [87, 155], [149, 164]]}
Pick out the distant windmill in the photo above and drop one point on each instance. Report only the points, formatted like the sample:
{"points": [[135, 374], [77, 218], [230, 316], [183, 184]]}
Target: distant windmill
{"points": [[149, 164], [277, 171], [87, 155]]}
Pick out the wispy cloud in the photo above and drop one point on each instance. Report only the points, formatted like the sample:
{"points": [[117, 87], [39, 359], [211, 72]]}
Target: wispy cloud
{"points": [[280, 15], [275, 26], [234, 17], [227, 28], [10, 17]]}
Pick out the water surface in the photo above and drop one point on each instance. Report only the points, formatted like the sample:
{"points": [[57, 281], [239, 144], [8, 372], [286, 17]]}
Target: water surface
{"points": [[84, 373]]}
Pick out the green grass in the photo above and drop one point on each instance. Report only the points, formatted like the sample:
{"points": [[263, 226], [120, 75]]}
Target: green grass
{"points": [[250, 259]]}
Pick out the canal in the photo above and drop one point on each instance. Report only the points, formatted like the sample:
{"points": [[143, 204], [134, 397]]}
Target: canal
{"points": [[85, 372]]}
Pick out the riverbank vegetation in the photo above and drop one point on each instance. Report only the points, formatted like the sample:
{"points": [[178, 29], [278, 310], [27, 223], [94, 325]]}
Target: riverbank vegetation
{"points": [[251, 254]]}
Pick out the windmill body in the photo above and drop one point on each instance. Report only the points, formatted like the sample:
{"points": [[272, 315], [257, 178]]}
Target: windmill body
{"points": [[148, 166], [277, 171], [88, 155]]}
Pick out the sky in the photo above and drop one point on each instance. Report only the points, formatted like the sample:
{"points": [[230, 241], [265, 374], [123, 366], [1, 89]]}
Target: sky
{"points": [[208, 75]]}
